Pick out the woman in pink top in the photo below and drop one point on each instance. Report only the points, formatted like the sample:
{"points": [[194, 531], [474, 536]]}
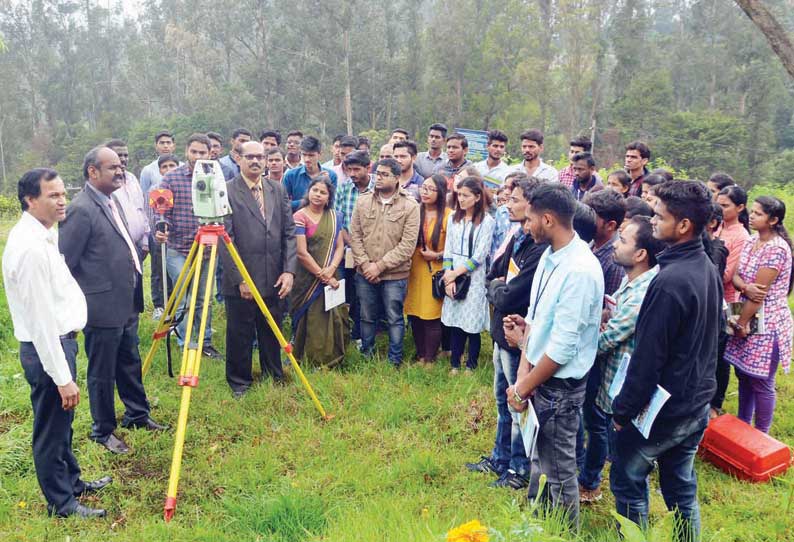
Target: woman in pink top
{"points": [[734, 233]]}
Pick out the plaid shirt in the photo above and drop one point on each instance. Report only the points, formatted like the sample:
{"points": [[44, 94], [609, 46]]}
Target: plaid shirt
{"points": [[346, 197], [567, 176], [182, 223], [613, 273], [617, 338]]}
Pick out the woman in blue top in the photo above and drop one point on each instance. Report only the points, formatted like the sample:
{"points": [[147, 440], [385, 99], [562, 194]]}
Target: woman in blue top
{"points": [[469, 235]]}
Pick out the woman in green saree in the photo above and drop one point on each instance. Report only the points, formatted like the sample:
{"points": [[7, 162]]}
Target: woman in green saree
{"points": [[320, 251]]}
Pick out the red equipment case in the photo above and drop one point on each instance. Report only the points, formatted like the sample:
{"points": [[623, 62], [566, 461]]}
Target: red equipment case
{"points": [[744, 451]]}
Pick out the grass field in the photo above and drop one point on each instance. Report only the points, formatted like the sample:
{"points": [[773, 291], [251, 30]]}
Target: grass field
{"points": [[388, 467]]}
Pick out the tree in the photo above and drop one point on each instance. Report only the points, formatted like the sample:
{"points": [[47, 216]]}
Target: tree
{"points": [[775, 34]]}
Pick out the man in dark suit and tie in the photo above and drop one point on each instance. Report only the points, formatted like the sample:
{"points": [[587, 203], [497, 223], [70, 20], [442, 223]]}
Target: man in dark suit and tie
{"points": [[98, 250], [263, 232]]}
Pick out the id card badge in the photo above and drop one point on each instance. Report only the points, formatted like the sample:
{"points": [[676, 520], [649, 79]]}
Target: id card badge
{"points": [[349, 262]]}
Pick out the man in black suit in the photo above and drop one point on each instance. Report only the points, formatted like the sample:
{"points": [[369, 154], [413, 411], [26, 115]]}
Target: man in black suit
{"points": [[263, 232], [99, 252]]}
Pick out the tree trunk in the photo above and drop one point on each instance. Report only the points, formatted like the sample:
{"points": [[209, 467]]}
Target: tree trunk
{"points": [[774, 33]]}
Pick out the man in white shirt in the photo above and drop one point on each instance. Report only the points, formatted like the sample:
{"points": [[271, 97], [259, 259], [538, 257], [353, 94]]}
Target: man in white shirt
{"points": [[48, 309], [533, 165], [493, 169]]}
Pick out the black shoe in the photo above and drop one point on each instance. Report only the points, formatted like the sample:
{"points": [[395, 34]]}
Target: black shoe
{"points": [[115, 445], [238, 394], [80, 511], [485, 464], [94, 486], [210, 352], [148, 424], [510, 478]]}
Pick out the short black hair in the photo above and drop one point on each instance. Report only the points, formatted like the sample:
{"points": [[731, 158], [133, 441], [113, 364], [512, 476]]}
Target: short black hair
{"points": [[641, 147], [311, 144], [337, 138], [364, 140], [348, 141], [29, 184], [274, 150], [391, 163], [555, 199], [401, 131], [115, 143], [167, 158], [407, 144], [608, 205], [438, 127], [241, 131], [664, 173], [644, 238], [194, 138], [533, 135], [270, 133], [716, 213], [216, 136], [583, 142], [686, 200], [722, 180], [295, 133], [161, 134], [527, 186], [459, 137], [654, 179], [357, 158], [497, 135], [584, 222], [586, 156], [636, 206]]}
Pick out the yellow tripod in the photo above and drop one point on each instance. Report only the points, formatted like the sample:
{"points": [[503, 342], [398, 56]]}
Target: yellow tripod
{"points": [[207, 236]]}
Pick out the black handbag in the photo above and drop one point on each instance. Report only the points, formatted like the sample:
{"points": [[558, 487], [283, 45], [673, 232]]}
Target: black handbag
{"points": [[462, 283]]}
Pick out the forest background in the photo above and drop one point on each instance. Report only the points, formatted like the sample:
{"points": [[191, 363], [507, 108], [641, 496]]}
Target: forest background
{"points": [[693, 78]]}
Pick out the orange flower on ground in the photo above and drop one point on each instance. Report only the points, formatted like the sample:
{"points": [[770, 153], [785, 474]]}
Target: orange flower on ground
{"points": [[473, 531]]}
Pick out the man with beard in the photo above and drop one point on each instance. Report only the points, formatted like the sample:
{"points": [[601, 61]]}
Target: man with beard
{"points": [[410, 180], [575, 146], [229, 163], [428, 162], [100, 253], [564, 316], [216, 145], [510, 282], [493, 169], [182, 227], [637, 157], [635, 251], [585, 179], [533, 165]]}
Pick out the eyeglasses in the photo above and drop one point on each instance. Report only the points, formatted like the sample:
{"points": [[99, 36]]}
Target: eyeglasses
{"points": [[252, 157], [424, 188]]}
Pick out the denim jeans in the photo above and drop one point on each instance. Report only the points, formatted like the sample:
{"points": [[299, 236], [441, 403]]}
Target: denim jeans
{"points": [[600, 443], [558, 405], [174, 261], [508, 449], [593, 382], [386, 297], [673, 445], [352, 300]]}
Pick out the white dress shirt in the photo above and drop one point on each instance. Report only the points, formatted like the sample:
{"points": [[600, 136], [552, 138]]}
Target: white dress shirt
{"points": [[44, 299]]}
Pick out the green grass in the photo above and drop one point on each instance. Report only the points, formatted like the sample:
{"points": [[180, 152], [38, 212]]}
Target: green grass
{"points": [[388, 467]]}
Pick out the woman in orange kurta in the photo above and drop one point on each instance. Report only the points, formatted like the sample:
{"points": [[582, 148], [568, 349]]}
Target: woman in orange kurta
{"points": [[422, 309]]}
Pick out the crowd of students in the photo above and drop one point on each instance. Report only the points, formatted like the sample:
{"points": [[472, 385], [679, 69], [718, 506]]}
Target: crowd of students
{"points": [[576, 279]]}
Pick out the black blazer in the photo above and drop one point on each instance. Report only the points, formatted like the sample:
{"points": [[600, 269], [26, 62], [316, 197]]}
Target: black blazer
{"points": [[265, 244], [100, 260]]}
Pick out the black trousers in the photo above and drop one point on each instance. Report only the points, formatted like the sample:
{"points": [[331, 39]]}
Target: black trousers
{"points": [[156, 282], [114, 362], [723, 373], [56, 467], [244, 322]]}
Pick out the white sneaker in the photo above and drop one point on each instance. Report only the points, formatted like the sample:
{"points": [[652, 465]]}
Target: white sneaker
{"points": [[157, 313]]}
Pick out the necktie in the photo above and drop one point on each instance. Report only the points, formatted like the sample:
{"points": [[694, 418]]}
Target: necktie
{"points": [[260, 201], [120, 224]]}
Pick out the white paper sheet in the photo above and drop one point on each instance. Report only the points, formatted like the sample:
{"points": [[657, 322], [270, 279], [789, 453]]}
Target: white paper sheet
{"points": [[334, 298]]}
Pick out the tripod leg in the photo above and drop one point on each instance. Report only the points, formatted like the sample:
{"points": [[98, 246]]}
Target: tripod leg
{"points": [[188, 380], [172, 303], [192, 310], [272, 323]]}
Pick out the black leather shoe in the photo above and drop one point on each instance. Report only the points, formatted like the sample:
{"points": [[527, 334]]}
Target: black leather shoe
{"points": [[148, 424], [210, 352], [81, 511], [115, 445], [94, 486]]}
